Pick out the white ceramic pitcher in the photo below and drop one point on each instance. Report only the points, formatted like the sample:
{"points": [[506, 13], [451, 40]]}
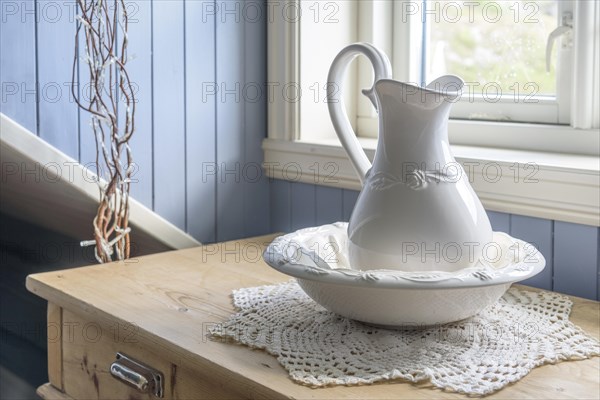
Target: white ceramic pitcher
{"points": [[417, 210]]}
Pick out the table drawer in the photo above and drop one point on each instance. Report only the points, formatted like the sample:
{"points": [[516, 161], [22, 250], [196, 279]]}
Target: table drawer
{"points": [[80, 360], [88, 350]]}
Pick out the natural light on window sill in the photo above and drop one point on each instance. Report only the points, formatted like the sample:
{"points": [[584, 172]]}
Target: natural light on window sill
{"points": [[559, 186]]}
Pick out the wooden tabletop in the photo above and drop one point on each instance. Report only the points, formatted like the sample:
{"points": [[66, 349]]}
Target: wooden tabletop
{"points": [[173, 297]]}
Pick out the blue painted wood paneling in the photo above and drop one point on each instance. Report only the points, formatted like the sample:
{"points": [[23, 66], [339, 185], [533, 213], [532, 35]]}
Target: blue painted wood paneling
{"points": [[168, 110], [281, 210], [18, 63], [196, 151], [185, 131], [349, 198], [576, 259], [58, 115], [230, 122], [329, 205], [256, 185], [500, 221], [139, 68], [538, 232], [303, 205], [201, 163]]}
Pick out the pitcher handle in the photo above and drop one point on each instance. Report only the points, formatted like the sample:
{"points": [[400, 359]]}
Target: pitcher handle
{"points": [[337, 111]]}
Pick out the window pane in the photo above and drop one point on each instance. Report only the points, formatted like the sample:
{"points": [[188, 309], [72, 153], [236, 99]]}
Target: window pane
{"points": [[498, 43]]}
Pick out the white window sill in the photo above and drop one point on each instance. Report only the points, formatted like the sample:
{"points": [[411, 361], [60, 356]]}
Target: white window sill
{"points": [[564, 187]]}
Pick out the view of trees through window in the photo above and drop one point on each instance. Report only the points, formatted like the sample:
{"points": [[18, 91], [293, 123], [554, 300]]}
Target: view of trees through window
{"points": [[501, 44]]}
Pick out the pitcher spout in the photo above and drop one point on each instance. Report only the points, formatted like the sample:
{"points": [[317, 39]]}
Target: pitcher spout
{"points": [[450, 85], [444, 90]]}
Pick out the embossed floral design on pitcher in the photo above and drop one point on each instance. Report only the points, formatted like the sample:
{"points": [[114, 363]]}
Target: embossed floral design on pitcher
{"points": [[417, 210]]}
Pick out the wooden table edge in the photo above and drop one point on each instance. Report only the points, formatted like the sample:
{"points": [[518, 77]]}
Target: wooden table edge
{"points": [[35, 284], [49, 392]]}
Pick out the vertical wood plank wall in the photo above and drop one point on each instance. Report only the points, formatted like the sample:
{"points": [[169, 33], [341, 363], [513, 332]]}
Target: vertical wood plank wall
{"points": [[168, 116], [198, 71], [571, 250], [197, 142]]}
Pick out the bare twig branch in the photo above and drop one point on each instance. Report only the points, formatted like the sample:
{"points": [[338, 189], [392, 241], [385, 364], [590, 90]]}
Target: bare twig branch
{"points": [[104, 24]]}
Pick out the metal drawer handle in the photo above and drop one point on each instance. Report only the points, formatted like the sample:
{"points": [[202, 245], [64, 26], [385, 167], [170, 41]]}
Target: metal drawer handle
{"points": [[137, 375], [129, 376]]}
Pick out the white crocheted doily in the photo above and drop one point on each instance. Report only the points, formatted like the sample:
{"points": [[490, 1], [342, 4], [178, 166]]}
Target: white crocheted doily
{"points": [[478, 356]]}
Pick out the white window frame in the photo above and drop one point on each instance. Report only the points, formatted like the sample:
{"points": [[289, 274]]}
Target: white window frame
{"points": [[566, 156], [403, 42], [539, 109]]}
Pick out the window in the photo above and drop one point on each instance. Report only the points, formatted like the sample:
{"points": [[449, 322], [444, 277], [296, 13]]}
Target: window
{"points": [[500, 51], [513, 112], [498, 47]]}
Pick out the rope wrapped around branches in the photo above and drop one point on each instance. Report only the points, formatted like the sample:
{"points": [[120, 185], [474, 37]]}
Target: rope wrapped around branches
{"points": [[110, 100]]}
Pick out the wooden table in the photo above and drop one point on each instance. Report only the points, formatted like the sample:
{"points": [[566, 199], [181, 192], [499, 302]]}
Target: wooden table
{"points": [[157, 310]]}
